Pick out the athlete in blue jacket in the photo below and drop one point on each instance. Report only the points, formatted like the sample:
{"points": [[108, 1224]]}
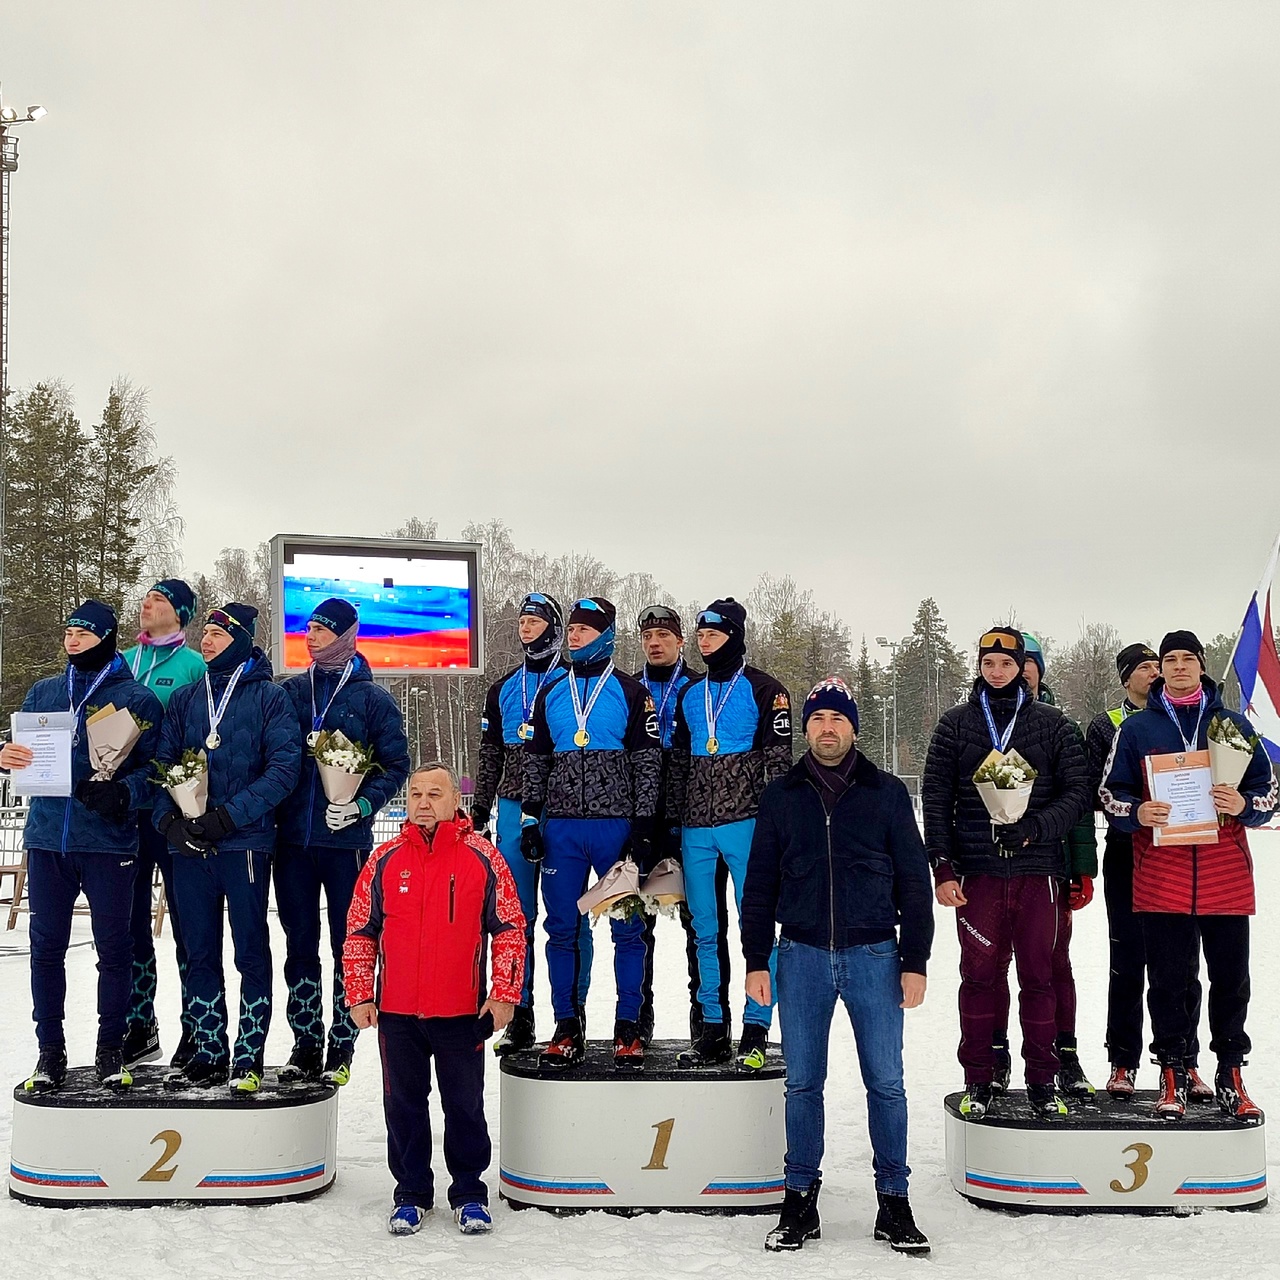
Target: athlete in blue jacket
{"points": [[590, 787], [322, 846], [506, 725], [86, 842], [732, 738], [247, 728]]}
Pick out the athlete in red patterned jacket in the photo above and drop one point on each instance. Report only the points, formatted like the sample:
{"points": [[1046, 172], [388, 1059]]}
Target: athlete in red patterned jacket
{"points": [[423, 909]]}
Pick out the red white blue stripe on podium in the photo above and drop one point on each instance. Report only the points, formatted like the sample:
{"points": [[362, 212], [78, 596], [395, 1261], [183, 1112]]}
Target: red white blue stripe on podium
{"points": [[1023, 1185], [747, 1187], [1222, 1186], [285, 1178], [555, 1186], [58, 1178]]}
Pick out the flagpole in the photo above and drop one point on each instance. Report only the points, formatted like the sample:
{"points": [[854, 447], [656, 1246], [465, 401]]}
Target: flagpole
{"points": [[1267, 576]]}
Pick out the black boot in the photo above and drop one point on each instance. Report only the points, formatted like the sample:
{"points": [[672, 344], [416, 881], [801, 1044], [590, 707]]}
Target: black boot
{"points": [[199, 1073], [141, 1043], [1001, 1061], [710, 1049], [1071, 1077], [305, 1065], [628, 1045], [799, 1221], [696, 1023], [896, 1224], [753, 1047], [1045, 1100], [111, 1069], [519, 1034], [567, 1048], [50, 1072], [977, 1100], [337, 1064], [185, 1051]]}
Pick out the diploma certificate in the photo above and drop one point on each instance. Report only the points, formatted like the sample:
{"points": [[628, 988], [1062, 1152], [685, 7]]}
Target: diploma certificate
{"points": [[1183, 780], [47, 734]]}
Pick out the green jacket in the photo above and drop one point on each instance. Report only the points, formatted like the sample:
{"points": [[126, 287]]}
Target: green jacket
{"points": [[1082, 839], [164, 668]]}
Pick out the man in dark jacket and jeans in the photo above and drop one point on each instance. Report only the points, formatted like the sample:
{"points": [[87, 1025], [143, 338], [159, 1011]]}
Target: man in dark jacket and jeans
{"points": [[837, 860], [1003, 879]]}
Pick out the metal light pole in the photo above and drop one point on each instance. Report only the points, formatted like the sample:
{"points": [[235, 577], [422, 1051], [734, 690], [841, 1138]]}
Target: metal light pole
{"points": [[893, 646], [9, 120]]}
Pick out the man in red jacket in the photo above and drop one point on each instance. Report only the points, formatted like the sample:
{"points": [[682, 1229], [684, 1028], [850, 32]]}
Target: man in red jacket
{"points": [[423, 908]]}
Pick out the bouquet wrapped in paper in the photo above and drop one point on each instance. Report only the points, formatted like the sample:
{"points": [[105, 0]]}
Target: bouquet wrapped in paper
{"points": [[1230, 752], [187, 782], [112, 734], [663, 889], [616, 895], [341, 764], [1004, 782]]}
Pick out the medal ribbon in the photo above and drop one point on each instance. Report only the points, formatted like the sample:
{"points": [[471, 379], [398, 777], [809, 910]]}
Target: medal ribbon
{"points": [[712, 716], [1173, 715], [318, 720], [668, 688], [215, 717], [1000, 741], [97, 680], [526, 702], [579, 713]]}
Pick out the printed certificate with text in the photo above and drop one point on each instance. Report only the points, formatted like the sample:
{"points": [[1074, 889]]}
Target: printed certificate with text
{"points": [[1183, 780]]}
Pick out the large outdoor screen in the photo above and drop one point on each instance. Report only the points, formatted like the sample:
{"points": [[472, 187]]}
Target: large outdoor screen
{"points": [[419, 602]]}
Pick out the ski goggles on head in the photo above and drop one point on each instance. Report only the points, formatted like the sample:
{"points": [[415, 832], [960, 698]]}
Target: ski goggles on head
{"points": [[658, 615], [218, 618], [999, 640]]}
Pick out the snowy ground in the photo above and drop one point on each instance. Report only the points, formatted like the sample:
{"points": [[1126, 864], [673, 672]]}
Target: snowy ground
{"points": [[342, 1233]]}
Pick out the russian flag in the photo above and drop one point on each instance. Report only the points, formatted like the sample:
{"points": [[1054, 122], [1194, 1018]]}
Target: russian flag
{"points": [[1257, 664]]}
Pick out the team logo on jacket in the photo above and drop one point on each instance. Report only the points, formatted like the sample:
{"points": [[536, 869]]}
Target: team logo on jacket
{"points": [[404, 881], [782, 722], [781, 702]]}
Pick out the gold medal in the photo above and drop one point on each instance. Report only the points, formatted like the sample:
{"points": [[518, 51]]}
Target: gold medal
{"points": [[581, 738], [713, 745], [524, 732]]}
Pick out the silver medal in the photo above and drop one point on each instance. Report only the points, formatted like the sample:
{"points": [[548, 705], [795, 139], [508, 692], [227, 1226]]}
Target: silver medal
{"points": [[312, 738], [213, 742]]}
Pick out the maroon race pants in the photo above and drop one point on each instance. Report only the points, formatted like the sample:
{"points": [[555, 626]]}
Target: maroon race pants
{"points": [[1064, 981], [1021, 914]]}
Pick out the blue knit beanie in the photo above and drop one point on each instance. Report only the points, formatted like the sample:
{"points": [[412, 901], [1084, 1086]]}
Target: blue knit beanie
{"points": [[335, 613], [830, 694], [94, 616], [180, 595]]}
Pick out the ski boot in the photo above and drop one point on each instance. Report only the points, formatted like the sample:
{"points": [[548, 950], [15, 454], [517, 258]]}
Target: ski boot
{"points": [[1045, 1100], [246, 1077], [199, 1073], [1197, 1089], [977, 1099], [1172, 1102], [185, 1051], [799, 1221], [1122, 1082], [108, 1062], [304, 1065], [519, 1033], [337, 1065], [710, 1049], [752, 1047], [1229, 1089], [50, 1072], [1001, 1062], [628, 1046], [567, 1047], [1071, 1077], [896, 1224], [141, 1043]]}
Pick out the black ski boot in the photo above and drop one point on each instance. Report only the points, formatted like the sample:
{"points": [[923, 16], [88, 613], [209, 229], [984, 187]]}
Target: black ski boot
{"points": [[799, 1221], [567, 1047], [696, 1023], [50, 1072], [1001, 1061], [752, 1047], [1071, 1077], [199, 1073], [628, 1046], [141, 1043], [711, 1048], [896, 1224], [185, 1051], [1045, 1100], [337, 1065], [110, 1066], [519, 1034], [305, 1064], [977, 1100]]}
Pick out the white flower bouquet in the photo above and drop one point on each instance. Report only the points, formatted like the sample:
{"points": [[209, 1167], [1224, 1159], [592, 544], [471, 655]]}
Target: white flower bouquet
{"points": [[663, 889], [1004, 781], [1230, 752], [342, 765], [616, 895], [187, 782]]}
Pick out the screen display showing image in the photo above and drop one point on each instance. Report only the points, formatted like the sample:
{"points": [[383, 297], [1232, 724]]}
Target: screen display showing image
{"points": [[418, 609]]}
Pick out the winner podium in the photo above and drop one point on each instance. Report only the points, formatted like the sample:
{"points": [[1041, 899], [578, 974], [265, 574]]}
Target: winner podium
{"points": [[148, 1145], [706, 1140], [1106, 1157]]}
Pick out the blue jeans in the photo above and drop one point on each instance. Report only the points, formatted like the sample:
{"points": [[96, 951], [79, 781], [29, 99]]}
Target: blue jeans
{"points": [[525, 874], [576, 846], [867, 979], [702, 848]]}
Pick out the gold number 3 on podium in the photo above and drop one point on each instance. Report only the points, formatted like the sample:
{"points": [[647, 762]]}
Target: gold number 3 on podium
{"points": [[172, 1140], [1137, 1166], [658, 1158]]}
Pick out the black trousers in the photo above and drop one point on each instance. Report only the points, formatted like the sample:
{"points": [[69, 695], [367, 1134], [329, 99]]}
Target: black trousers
{"points": [[407, 1045], [1129, 963], [1171, 942]]}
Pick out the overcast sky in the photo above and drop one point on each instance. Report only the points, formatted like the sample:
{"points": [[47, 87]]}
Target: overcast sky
{"points": [[976, 301]]}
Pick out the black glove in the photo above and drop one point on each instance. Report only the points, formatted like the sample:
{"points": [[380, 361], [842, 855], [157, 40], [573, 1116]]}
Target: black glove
{"points": [[214, 826], [480, 817], [1016, 834], [108, 799], [640, 845], [531, 845], [670, 844], [184, 837]]}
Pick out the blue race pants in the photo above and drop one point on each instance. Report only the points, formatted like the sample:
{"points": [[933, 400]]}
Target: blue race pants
{"points": [[300, 874], [703, 848], [54, 882], [153, 852], [868, 980], [575, 847], [525, 874], [240, 878]]}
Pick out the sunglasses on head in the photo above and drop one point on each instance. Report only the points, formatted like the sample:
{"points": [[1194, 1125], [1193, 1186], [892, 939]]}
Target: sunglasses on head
{"points": [[658, 616], [708, 619], [587, 603]]}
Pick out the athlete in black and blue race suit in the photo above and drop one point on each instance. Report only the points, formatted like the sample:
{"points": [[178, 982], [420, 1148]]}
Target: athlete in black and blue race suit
{"points": [[590, 788], [505, 727]]}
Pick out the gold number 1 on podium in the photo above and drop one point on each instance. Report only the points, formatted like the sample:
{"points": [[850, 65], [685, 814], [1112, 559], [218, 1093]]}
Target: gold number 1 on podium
{"points": [[658, 1159]]}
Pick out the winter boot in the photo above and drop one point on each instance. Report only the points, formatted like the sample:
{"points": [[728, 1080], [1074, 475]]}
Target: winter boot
{"points": [[1197, 1089], [567, 1047], [1172, 1102], [1071, 1077], [1001, 1061], [50, 1072], [199, 1073], [710, 1049], [112, 1072], [799, 1221], [473, 1218], [628, 1046], [1045, 1100], [752, 1047], [246, 1077], [1231, 1095], [896, 1224], [1122, 1082], [406, 1219], [337, 1065], [977, 1099], [305, 1065], [519, 1034], [141, 1043]]}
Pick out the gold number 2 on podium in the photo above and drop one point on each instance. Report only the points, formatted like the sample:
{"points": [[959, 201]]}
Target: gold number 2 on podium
{"points": [[658, 1158], [172, 1140], [1137, 1166]]}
